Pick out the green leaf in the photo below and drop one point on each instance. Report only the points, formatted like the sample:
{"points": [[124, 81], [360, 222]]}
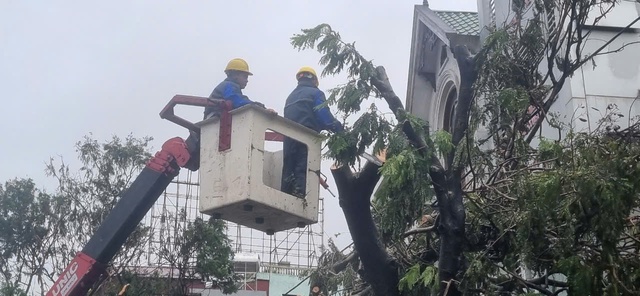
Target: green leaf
{"points": [[429, 276], [410, 278]]}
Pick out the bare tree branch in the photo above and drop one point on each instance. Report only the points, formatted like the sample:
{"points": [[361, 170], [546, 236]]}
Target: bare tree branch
{"points": [[601, 48], [621, 48], [419, 231]]}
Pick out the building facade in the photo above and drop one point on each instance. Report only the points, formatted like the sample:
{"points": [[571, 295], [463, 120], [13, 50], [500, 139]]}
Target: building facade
{"points": [[613, 79]]}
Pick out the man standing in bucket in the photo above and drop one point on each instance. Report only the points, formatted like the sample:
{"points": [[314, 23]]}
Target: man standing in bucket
{"points": [[230, 89], [303, 107]]}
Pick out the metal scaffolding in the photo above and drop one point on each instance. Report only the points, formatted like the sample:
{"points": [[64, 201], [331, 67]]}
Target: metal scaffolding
{"points": [[283, 252]]}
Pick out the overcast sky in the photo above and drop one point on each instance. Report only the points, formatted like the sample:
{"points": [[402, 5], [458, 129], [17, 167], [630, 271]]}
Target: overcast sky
{"points": [[70, 68]]}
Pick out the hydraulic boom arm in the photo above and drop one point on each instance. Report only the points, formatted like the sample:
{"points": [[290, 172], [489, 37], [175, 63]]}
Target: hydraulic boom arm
{"points": [[89, 264]]}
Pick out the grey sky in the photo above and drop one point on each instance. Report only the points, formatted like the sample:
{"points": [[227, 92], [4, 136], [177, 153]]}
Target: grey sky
{"points": [[69, 68]]}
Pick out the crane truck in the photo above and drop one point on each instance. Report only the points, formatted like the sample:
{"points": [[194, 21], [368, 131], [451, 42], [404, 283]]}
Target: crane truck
{"points": [[90, 264]]}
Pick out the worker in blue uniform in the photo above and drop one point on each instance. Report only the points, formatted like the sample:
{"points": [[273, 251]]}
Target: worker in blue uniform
{"points": [[304, 107], [230, 89]]}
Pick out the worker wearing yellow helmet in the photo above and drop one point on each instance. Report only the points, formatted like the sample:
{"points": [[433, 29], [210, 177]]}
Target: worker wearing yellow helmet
{"points": [[230, 89], [304, 106]]}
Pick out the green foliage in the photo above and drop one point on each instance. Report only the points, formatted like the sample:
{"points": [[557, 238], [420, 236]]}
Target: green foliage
{"points": [[513, 101], [404, 191], [580, 275], [338, 56], [107, 169], [11, 290], [443, 143], [549, 150], [203, 253], [571, 215], [509, 81], [563, 211], [598, 189], [371, 129], [23, 218], [417, 278], [343, 147], [29, 226], [41, 232], [407, 184], [213, 252]]}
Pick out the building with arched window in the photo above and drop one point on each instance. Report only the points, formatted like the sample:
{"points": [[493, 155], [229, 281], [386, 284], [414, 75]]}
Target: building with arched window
{"points": [[434, 77], [613, 79]]}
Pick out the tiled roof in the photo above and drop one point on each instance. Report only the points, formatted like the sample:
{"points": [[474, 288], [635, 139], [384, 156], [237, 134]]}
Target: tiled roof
{"points": [[463, 22]]}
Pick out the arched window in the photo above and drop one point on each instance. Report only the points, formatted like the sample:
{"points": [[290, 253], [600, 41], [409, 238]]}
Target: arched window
{"points": [[449, 110]]}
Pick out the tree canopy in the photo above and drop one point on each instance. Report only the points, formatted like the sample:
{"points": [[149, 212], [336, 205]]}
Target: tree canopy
{"points": [[41, 232]]}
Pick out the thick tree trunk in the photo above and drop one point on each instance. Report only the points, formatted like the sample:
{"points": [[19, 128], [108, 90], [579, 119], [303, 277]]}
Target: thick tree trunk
{"points": [[380, 269], [451, 236], [452, 213], [447, 183], [448, 261], [451, 229]]}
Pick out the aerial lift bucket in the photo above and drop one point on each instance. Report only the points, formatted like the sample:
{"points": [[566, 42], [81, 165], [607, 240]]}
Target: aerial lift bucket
{"points": [[239, 178]]}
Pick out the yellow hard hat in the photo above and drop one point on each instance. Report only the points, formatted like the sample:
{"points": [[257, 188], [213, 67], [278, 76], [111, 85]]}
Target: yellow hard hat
{"points": [[238, 65], [306, 69]]}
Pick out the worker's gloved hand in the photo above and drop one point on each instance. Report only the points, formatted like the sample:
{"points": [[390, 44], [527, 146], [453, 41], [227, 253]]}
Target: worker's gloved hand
{"points": [[274, 112]]}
